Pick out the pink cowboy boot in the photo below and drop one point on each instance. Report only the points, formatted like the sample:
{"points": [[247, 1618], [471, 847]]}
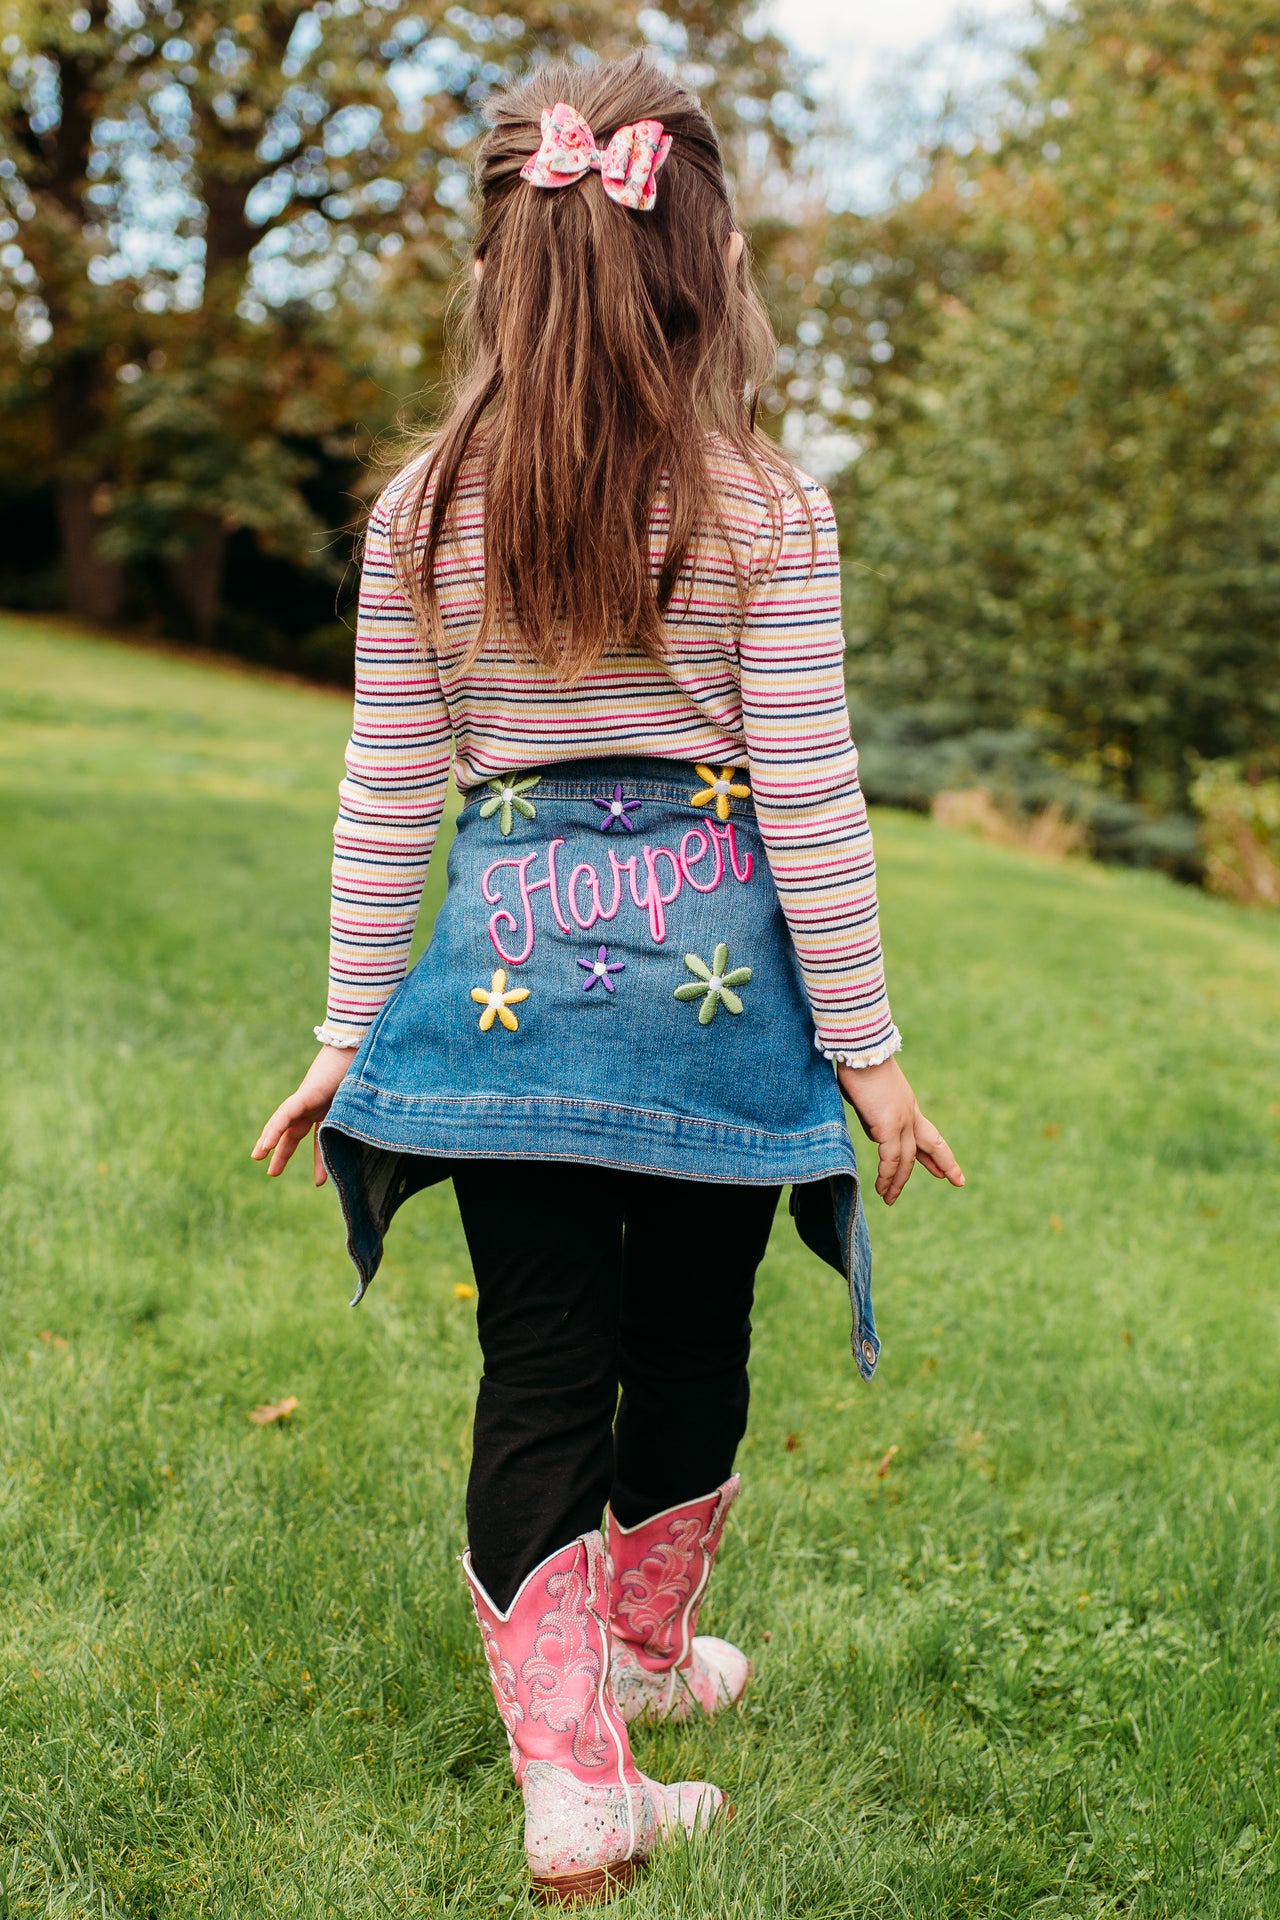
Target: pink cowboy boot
{"points": [[590, 1816], [660, 1571]]}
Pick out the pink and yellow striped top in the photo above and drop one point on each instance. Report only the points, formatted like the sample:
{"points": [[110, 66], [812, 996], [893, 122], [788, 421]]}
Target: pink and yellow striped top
{"points": [[766, 689]]}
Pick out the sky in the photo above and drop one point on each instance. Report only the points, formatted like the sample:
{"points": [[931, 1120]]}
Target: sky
{"points": [[854, 38], [862, 47], [888, 67]]}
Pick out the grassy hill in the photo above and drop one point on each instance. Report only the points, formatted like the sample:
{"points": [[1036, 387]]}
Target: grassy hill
{"points": [[1024, 1664]]}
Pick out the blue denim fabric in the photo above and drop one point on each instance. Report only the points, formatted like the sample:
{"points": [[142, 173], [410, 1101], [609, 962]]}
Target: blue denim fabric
{"points": [[587, 910]]}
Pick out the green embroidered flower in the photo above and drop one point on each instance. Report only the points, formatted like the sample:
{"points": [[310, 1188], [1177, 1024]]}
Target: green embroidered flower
{"points": [[507, 794], [714, 984]]}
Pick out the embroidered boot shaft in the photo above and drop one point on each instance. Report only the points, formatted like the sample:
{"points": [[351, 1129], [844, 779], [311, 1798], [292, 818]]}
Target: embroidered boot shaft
{"points": [[591, 1817], [660, 1571]]}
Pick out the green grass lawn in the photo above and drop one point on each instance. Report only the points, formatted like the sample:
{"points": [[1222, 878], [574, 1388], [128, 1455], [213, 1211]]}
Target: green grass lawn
{"points": [[1028, 1666]]}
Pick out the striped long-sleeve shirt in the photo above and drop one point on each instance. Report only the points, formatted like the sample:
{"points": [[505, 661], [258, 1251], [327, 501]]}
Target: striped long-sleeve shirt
{"points": [[765, 688]]}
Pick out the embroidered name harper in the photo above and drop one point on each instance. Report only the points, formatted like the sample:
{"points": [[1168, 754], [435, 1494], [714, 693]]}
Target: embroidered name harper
{"points": [[654, 877]]}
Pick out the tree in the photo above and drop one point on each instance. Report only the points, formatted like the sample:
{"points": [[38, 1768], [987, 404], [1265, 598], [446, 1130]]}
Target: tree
{"points": [[1072, 521], [230, 235]]}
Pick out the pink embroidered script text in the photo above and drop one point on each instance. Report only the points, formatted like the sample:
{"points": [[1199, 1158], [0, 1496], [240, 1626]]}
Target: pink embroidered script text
{"points": [[654, 877]]}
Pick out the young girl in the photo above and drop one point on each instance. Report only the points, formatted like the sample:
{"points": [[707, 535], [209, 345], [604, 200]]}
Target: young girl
{"points": [[605, 600]]}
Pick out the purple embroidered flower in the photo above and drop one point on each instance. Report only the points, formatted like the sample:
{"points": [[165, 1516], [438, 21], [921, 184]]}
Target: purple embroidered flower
{"points": [[616, 811], [599, 969]]}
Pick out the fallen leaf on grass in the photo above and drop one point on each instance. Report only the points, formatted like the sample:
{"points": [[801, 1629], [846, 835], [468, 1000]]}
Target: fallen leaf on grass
{"points": [[463, 1292], [278, 1410], [792, 1442], [1052, 1131], [1126, 1336], [52, 1339], [1055, 1222], [886, 1463]]}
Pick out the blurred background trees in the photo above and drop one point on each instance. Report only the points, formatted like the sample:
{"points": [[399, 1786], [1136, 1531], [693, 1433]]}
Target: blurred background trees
{"points": [[227, 239], [1043, 377], [1070, 518]]}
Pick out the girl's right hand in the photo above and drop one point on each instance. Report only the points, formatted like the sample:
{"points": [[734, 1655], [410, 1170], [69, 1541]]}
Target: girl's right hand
{"points": [[291, 1122]]}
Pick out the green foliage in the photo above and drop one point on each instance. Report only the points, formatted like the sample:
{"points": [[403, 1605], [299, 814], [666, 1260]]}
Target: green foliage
{"points": [[1030, 1669], [909, 756], [224, 440], [1070, 517], [1241, 830], [860, 298]]}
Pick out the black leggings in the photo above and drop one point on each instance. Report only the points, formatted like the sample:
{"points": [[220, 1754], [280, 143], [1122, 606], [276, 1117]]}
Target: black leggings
{"points": [[590, 1281]]}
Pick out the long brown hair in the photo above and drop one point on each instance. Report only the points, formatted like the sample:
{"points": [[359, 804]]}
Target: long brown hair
{"points": [[604, 346]]}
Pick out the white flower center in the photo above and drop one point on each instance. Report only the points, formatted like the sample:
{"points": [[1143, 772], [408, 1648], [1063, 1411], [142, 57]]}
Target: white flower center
{"points": [[599, 969], [508, 793], [715, 983], [496, 1000], [616, 808], [720, 786]]}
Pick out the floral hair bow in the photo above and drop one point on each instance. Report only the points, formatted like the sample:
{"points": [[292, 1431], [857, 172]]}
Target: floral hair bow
{"points": [[628, 167]]}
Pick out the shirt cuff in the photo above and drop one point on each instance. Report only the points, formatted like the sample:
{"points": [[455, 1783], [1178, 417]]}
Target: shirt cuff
{"points": [[875, 1057], [337, 1037]]}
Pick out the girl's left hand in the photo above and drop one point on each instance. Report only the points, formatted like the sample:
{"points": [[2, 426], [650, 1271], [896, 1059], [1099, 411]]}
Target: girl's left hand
{"points": [[290, 1124], [890, 1115]]}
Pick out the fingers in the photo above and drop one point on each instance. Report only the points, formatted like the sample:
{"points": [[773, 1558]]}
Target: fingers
{"points": [[897, 1157], [887, 1171], [290, 1140], [887, 1109], [289, 1124], [284, 1115], [935, 1154], [318, 1167]]}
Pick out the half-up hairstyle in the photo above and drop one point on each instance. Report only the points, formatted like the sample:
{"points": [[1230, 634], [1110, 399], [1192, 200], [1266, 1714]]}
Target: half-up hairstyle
{"points": [[605, 344]]}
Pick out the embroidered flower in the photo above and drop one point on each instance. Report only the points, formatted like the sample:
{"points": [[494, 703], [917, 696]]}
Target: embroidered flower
{"points": [[714, 984], [722, 789], [498, 1001], [599, 969], [508, 794], [616, 810]]}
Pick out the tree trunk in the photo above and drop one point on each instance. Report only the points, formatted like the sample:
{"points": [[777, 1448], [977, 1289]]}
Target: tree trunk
{"points": [[95, 586], [197, 578], [61, 155]]}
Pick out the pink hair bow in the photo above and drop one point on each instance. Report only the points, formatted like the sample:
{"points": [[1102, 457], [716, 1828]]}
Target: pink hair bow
{"points": [[628, 167]]}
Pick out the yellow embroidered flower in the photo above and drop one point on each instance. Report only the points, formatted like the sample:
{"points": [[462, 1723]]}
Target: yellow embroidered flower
{"points": [[497, 1002], [722, 790]]}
